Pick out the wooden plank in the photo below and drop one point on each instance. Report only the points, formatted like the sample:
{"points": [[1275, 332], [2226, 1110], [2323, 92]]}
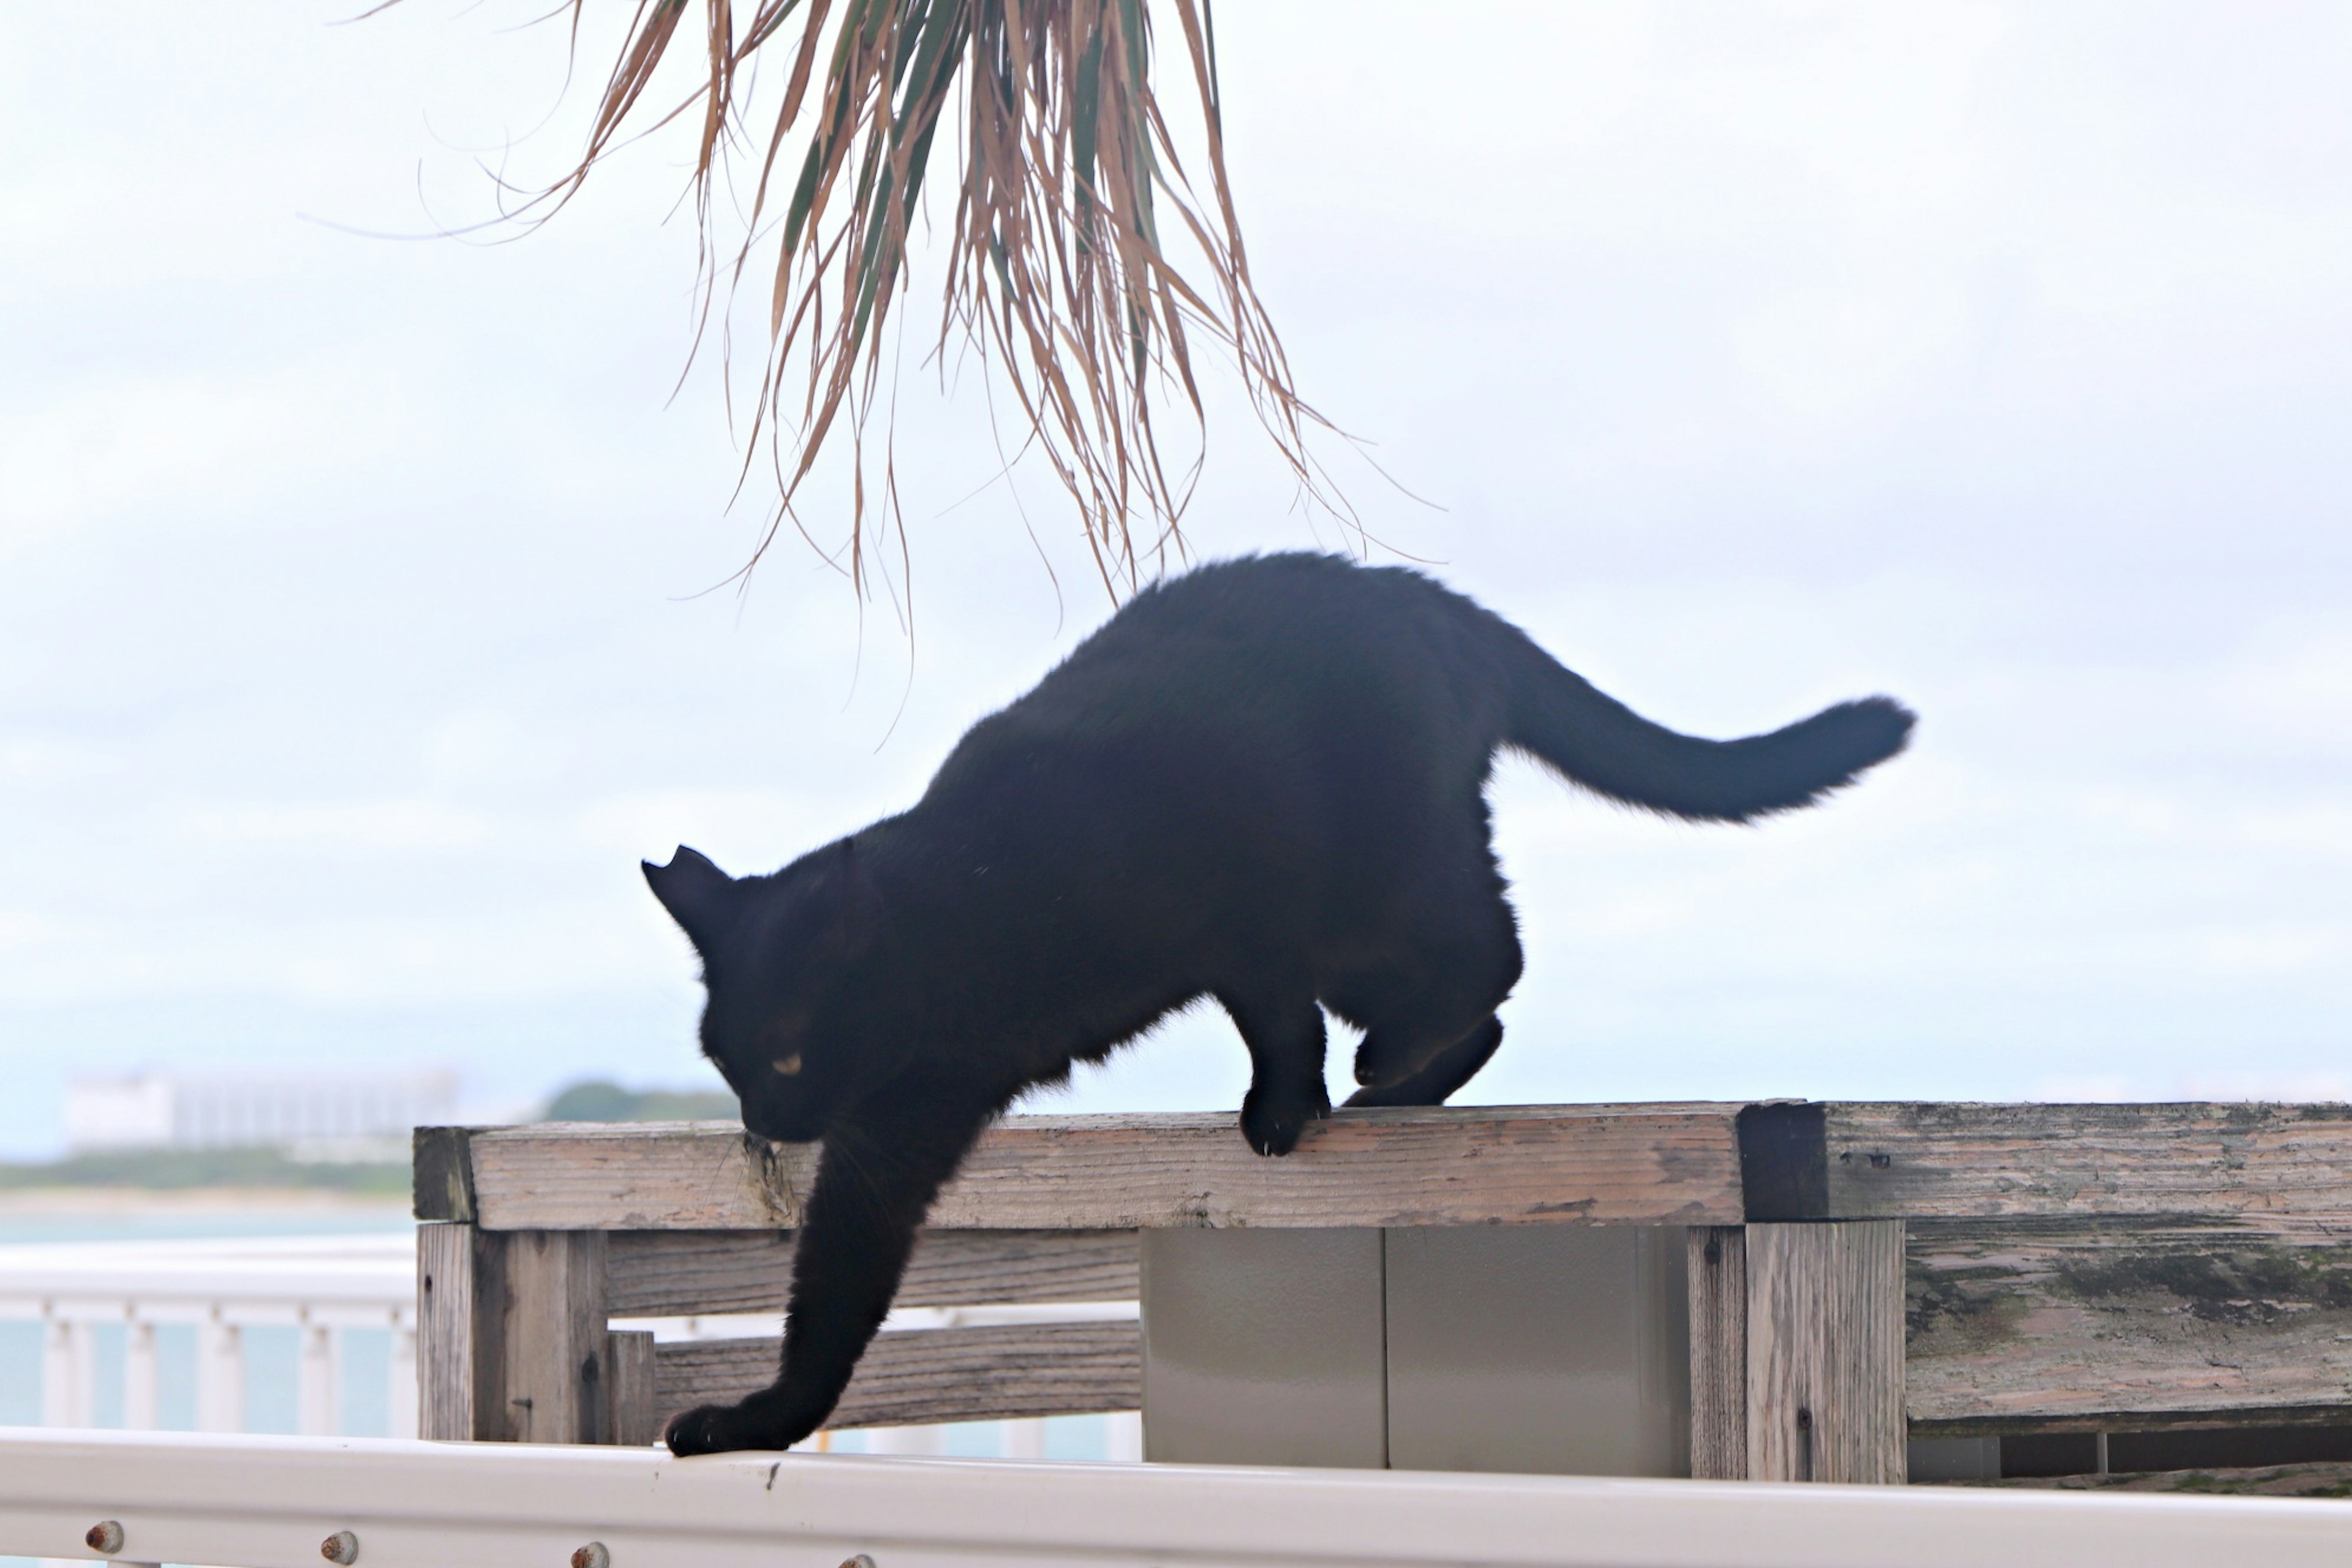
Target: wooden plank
{"points": [[540, 1310], [445, 1332], [2322, 1479], [2258, 1165], [2018, 1325], [1718, 1353], [993, 1374], [1676, 1164], [1826, 1352], [636, 1418], [491, 1309], [655, 1273]]}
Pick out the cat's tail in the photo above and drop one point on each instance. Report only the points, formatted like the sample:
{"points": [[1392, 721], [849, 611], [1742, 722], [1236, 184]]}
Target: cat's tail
{"points": [[1561, 719]]}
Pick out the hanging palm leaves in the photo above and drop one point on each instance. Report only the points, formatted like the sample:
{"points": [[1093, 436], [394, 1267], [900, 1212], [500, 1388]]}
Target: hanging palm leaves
{"points": [[1057, 271]]}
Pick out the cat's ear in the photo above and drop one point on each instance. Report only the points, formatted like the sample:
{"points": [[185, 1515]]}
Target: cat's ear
{"points": [[698, 895]]}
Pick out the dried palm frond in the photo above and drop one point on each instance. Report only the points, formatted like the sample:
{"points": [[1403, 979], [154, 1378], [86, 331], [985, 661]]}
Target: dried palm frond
{"points": [[1056, 271]]}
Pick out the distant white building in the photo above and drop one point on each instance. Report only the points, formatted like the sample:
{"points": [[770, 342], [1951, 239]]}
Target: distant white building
{"points": [[287, 1110]]}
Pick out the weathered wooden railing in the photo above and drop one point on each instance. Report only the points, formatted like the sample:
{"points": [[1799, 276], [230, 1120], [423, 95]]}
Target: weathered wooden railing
{"points": [[1845, 1276]]}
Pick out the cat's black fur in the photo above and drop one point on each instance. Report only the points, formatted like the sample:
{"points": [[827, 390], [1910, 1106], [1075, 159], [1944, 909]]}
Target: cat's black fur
{"points": [[1262, 782]]}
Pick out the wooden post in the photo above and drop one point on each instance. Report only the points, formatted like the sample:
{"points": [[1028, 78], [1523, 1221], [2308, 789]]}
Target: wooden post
{"points": [[636, 1412], [538, 1309], [1825, 1352], [511, 1336], [1718, 1353], [445, 1332]]}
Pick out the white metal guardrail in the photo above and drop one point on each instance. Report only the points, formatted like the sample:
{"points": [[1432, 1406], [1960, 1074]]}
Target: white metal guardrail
{"points": [[319, 1285], [292, 1502]]}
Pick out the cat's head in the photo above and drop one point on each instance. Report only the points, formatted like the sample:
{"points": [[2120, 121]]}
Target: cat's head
{"points": [[784, 1004]]}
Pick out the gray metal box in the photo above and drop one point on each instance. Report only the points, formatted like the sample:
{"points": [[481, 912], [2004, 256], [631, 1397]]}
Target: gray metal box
{"points": [[1548, 1350], [1539, 1348], [1263, 1347]]}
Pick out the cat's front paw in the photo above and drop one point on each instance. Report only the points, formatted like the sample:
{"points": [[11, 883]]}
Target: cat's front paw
{"points": [[705, 1430], [1274, 1124], [727, 1428]]}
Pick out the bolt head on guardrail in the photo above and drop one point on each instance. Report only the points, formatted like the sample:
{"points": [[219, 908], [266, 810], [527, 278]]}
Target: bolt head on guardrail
{"points": [[105, 1536], [342, 1547], [591, 1555], [860, 1561]]}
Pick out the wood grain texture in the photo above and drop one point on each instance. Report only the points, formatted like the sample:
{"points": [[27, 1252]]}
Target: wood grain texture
{"points": [[2332, 1480], [444, 1332], [2256, 1165], [1672, 1164], [636, 1415], [999, 1372], [2017, 1325], [1718, 1353], [542, 1355], [1826, 1365], [682, 1272]]}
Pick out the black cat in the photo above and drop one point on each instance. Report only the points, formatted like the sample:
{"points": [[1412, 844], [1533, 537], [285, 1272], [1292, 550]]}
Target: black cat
{"points": [[1262, 782]]}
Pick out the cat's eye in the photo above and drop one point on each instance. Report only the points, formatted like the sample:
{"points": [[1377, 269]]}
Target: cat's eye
{"points": [[789, 1065]]}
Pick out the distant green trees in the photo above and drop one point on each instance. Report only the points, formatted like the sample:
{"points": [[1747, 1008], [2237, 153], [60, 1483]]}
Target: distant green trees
{"points": [[602, 1099], [182, 1169]]}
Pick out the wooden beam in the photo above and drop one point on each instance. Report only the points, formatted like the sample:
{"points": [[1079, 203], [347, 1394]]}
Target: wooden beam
{"points": [[445, 1332], [999, 1372], [1826, 1352], [660, 1273], [1718, 1353], [2102, 1325], [2255, 1166], [1676, 1164]]}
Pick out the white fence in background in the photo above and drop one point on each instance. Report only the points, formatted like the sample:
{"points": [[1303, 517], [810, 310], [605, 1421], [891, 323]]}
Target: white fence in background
{"points": [[324, 1286], [318, 1286], [271, 1502]]}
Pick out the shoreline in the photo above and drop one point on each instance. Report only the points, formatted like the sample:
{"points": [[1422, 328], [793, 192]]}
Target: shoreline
{"points": [[41, 1203]]}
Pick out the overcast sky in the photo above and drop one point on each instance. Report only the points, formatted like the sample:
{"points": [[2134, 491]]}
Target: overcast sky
{"points": [[1751, 357]]}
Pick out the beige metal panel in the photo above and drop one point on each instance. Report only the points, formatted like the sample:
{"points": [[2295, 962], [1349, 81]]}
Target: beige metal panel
{"points": [[1263, 1347], [1553, 1351]]}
